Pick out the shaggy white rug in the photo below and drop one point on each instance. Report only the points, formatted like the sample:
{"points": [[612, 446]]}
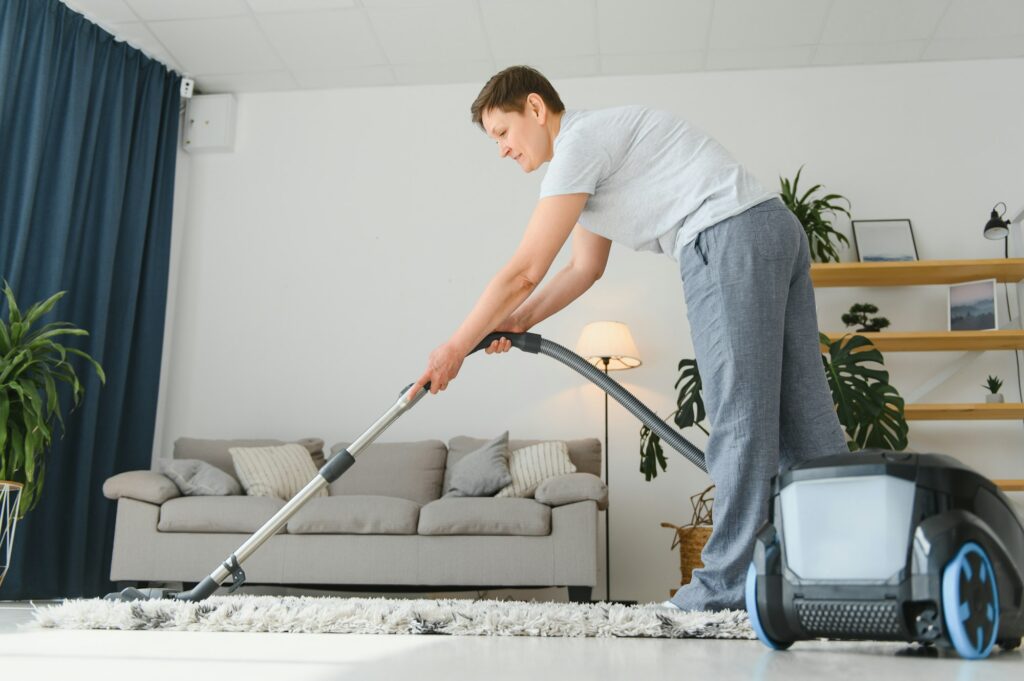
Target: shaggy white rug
{"points": [[305, 614]]}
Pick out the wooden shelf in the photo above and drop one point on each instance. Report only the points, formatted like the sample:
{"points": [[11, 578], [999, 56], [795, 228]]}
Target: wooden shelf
{"points": [[964, 412], [920, 272], [941, 341], [1010, 485]]}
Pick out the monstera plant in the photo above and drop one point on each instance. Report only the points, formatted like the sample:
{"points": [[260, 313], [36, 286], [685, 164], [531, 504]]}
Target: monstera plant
{"points": [[32, 363], [812, 212], [870, 409]]}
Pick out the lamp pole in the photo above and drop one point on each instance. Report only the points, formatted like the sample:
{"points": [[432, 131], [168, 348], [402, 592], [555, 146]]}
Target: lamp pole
{"points": [[608, 510]]}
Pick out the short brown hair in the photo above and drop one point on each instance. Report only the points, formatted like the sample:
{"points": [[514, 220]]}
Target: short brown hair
{"points": [[508, 89]]}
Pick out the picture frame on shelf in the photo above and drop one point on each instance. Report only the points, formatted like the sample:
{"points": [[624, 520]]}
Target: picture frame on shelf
{"points": [[972, 306], [884, 240]]}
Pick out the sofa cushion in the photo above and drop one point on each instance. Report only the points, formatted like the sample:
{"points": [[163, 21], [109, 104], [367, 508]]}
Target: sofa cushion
{"points": [[148, 486], [215, 452], [532, 465], [483, 472], [584, 453], [485, 515], [568, 489], [274, 471], [407, 470], [217, 514], [356, 514], [197, 478]]}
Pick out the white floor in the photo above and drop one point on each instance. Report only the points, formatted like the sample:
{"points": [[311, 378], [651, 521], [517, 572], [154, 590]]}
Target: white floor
{"points": [[154, 656]]}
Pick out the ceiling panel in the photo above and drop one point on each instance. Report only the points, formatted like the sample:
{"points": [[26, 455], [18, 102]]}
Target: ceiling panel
{"points": [[318, 41], [446, 31], [218, 46], [750, 24], [525, 31], [650, 26], [160, 10], [876, 21]]}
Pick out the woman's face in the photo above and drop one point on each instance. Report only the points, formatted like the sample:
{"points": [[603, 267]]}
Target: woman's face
{"points": [[523, 136]]}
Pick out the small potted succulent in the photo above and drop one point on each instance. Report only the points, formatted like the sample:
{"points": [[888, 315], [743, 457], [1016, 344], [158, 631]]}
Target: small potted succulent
{"points": [[993, 384]]}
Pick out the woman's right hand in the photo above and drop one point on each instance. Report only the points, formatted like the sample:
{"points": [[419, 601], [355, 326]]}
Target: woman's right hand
{"points": [[510, 325]]}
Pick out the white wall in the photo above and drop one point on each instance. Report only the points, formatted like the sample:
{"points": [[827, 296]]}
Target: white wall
{"points": [[351, 230]]}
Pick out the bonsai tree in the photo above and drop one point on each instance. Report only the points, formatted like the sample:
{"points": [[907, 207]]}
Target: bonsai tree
{"points": [[858, 316], [32, 363], [811, 211], [870, 410]]}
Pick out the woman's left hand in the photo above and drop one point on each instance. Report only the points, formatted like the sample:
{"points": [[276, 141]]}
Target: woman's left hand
{"points": [[442, 367]]}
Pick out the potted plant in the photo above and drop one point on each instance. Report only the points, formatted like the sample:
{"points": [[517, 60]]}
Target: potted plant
{"points": [[811, 211], [32, 363], [858, 316], [870, 409], [994, 383]]}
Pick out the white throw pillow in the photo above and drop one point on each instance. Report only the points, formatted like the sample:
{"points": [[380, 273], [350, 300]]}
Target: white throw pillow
{"points": [[532, 465], [275, 471]]}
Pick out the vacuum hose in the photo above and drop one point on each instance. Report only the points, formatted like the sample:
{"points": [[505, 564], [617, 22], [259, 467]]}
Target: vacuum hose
{"points": [[533, 343]]}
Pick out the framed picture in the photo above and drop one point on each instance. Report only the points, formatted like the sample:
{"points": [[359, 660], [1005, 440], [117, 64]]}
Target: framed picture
{"points": [[884, 240], [972, 306]]}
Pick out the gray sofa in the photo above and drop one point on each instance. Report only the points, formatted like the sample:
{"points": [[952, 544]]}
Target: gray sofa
{"points": [[384, 525]]}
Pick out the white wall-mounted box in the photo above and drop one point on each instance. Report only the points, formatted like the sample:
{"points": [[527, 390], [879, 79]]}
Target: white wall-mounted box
{"points": [[209, 123]]}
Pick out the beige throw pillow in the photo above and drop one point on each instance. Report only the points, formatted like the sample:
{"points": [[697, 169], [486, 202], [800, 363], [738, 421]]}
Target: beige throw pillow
{"points": [[274, 471], [532, 465]]}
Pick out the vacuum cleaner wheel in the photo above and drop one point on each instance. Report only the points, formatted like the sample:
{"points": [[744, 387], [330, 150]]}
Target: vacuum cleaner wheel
{"points": [[755, 619], [970, 602]]}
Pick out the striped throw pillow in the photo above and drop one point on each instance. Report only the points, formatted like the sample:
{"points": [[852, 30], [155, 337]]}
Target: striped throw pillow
{"points": [[275, 471], [532, 465]]}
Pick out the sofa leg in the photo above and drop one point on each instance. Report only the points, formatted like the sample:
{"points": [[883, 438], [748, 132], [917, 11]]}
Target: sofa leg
{"points": [[579, 594]]}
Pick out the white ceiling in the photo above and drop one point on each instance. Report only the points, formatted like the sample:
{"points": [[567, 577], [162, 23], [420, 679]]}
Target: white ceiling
{"points": [[253, 45]]}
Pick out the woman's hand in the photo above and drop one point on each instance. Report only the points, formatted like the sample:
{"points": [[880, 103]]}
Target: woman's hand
{"points": [[512, 325], [442, 367]]}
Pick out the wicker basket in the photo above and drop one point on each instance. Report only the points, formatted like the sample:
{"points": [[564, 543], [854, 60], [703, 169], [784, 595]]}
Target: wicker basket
{"points": [[691, 538]]}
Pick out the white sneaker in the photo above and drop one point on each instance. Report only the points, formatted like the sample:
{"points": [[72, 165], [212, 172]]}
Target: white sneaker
{"points": [[668, 604]]}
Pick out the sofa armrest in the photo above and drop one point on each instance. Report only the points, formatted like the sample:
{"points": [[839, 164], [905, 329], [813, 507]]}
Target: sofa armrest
{"points": [[150, 486], [573, 487]]}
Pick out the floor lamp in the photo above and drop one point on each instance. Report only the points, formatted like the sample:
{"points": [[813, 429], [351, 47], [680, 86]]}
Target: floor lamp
{"points": [[608, 346]]}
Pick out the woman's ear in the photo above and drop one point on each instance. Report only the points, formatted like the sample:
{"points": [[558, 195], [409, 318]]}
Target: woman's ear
{"points": [[536, 107]]}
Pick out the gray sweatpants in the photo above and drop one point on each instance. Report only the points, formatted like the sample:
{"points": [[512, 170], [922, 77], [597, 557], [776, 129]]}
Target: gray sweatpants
{"points": [[750, 305]]}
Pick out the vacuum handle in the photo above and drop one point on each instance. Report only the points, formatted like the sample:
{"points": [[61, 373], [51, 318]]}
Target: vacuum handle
{"points": [[527, 342]]}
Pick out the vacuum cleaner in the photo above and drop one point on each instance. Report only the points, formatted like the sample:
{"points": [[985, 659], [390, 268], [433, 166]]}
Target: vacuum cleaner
{"points": [[933, 553], [885, 545]]}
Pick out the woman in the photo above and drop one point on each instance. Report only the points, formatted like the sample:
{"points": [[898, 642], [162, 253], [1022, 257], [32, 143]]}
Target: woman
{"points": [[651, 181]]}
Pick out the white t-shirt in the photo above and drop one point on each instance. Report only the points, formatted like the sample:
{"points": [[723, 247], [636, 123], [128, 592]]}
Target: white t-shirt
{"points": [[655, 180]]}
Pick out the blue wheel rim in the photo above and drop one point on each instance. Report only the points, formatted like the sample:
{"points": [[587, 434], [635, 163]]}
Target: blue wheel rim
{"points": [[970, 602], [755, 620]]}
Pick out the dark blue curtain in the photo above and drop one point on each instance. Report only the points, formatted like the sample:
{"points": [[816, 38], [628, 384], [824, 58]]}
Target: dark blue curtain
{"points": [[88, 131]]}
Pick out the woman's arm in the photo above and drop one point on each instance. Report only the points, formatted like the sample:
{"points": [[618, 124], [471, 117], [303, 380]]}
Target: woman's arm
{"points": [[550, 225], [589, 258]]}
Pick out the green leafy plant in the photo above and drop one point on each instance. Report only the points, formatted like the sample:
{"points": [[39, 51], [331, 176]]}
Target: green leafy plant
{"points": [[689, 412], [858, 316], [870, 410], [32, 363], [993, 384], [811, 211]]}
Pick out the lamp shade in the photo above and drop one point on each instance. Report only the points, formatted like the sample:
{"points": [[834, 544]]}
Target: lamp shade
{"points": [[997, 228], [612, 340]]}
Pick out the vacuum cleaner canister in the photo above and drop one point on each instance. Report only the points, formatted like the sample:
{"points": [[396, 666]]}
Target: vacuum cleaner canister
{"points": [[882, 545]]}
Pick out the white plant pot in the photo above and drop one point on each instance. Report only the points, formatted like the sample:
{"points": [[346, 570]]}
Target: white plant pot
{"points": [[997, 397]]}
